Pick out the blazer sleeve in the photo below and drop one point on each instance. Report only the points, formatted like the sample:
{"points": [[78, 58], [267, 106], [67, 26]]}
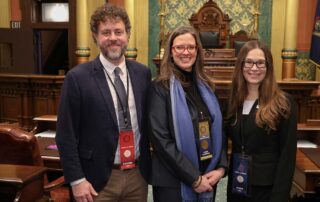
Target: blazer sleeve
{"points": [[68, 129], [286, 165], [223, 162], [160, 128]]}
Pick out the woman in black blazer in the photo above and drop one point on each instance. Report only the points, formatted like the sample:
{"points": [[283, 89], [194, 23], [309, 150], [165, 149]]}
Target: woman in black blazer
{"points": [[185, 125], [261, 122]]}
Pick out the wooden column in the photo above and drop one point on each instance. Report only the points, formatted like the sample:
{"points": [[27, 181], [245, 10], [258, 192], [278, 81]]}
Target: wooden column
{"points": [[83, 50], [5, 14], [289, 52], [131, 52]]}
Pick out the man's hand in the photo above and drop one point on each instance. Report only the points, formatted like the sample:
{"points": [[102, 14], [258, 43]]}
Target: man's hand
{"points": [[83, 192]]}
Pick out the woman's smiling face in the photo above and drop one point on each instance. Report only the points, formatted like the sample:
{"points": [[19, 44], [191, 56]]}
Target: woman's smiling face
{"points": [[254, 67], [184, 51]]}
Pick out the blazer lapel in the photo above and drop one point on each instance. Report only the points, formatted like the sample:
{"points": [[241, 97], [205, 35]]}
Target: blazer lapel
{"points": [[134, 78], [103, 86]]}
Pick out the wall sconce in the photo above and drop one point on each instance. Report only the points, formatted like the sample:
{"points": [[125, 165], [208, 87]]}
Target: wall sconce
{"points": [[55, 12]]}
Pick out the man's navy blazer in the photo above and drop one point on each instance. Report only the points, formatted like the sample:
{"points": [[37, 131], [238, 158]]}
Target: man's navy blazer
{"points": [[87, 128]]}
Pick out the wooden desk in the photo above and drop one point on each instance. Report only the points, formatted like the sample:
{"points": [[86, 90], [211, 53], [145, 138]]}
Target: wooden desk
{"points": [[309, 132], [305, 127], [21, 183], [306, 176], [219, 57], [51, 158], [45, 122]]}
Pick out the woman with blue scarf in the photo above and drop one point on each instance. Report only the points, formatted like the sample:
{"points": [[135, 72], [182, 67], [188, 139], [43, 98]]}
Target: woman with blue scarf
{"points": [[185, 125]]}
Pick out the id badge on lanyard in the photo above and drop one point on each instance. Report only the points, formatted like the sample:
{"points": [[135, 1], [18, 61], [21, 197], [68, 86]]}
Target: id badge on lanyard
{"points": [[205, 140], [241, 174], [127, 150]]}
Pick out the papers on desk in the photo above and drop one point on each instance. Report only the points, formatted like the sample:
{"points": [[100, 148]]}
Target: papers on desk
{"points": [[47, 133], [306, 144]]}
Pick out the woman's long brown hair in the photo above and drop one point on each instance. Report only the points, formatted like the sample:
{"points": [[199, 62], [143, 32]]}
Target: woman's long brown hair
{"points": [[273, 104]]}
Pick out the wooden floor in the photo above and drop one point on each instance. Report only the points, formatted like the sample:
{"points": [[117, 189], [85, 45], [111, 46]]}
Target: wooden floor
{"points": [[60, 196]]}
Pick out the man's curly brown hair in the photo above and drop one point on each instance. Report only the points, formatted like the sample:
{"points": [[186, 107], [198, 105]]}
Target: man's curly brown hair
{"points": [[109, 12]]}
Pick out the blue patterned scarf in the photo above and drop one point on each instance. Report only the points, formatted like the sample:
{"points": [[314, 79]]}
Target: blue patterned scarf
{"points": [[184, 132]]}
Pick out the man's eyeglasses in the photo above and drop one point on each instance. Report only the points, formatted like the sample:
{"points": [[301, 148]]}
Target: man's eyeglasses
{"points": [[248, 64], [182, 48]]}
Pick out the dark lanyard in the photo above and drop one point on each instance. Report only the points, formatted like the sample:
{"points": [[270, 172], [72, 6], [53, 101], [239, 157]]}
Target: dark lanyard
{"points": [[241, 133], [124, 110]]}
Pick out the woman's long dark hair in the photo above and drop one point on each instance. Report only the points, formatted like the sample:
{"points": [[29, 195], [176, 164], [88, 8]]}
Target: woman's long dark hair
{"points": [[273, 104]]}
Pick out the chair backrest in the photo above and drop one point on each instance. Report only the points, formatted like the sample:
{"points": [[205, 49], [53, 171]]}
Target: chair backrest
{"points": [[18, 147], [212, 25], [239, 39], [210, 40]]}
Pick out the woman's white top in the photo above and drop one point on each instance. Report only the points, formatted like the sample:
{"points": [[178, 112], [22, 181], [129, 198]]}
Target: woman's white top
{"points": [[247, 105]]}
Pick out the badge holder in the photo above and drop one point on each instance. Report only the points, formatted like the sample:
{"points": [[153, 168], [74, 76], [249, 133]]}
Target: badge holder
{"points": [[205, 140], [241, 174], [127, 151]]}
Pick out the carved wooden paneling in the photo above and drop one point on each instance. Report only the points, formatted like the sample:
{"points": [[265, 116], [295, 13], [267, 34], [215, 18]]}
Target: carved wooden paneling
{"points": [[314, 104], [7, 111], [23, 97], [26, 96], [304, 92], [219, 63], [219, 72], [41, 106]]}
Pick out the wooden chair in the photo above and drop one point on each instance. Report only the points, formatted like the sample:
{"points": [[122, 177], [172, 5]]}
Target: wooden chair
{"points": [[19, 147], [22, 183], [239, 39], [212, 25]]}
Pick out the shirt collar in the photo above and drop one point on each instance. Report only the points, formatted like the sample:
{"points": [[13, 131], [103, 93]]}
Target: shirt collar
{"points": [[110, 67]]}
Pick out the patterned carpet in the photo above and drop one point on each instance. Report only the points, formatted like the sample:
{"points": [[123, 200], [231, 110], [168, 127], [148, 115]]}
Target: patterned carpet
{"points": [[221, 192]]}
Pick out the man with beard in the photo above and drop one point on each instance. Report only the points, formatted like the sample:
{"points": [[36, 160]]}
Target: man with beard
{"points": [[100, 133]]}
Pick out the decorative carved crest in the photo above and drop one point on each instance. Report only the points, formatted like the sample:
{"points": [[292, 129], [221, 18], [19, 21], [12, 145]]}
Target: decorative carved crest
{"points": [[210, 18]]}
